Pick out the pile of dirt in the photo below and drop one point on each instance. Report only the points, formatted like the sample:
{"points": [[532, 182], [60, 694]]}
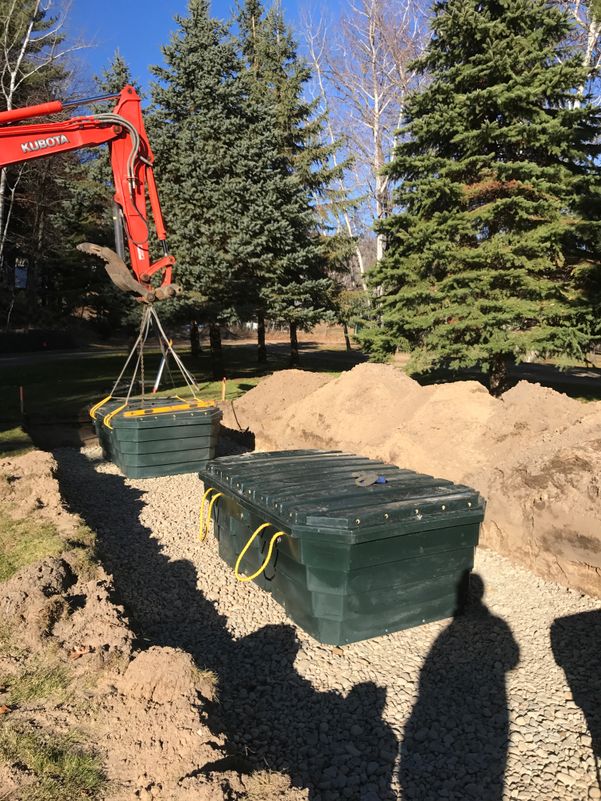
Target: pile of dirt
{"points": [[374, 410], [68, 666], [543, 512], [63, 600], [28, 487], [271, 397], [457, 431], [161, 746]]}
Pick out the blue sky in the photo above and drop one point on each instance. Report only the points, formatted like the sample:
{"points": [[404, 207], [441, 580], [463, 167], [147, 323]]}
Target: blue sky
{"points": [[137, 28]]}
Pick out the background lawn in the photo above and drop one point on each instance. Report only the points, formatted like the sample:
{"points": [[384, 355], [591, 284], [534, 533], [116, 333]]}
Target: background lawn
{"points": [[62, 386]]}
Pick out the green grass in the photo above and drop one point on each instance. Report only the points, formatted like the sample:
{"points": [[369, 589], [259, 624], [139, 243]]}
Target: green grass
{"points": [[41, 680], [14, 442], [62, 770], [63, 387], [211, 390], [25, 541]]}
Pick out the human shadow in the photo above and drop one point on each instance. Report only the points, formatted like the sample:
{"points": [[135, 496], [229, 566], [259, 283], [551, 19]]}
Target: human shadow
{"points": [[336, 746], [456, 739], [576, 644]]}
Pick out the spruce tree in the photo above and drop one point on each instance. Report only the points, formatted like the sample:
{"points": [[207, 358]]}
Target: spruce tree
{"points": [[219, 169], [494, 252], [197, 129], [294, 285]]}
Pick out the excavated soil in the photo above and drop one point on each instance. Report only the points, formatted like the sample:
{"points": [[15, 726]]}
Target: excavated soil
{"points": [[143, 710], [28, 487], [534, 453]]}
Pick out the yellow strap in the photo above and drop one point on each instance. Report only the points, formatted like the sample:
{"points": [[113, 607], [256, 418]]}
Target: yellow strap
{"points": [[98, 406], [178, 407], [110, 415], [202, 509], [205, 522], [272, 542]]}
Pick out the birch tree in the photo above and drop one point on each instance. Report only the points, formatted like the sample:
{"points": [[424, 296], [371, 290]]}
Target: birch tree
{"points": [[361, 61], [586, 17], [345, 220], [32, 45]]}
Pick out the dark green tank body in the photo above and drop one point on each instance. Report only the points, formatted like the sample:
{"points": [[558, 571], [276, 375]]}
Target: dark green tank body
{"points": [[358, 562], [162, 444]]}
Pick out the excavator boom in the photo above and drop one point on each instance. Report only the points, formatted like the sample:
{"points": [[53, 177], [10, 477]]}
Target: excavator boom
{"points": [[132, 165]]}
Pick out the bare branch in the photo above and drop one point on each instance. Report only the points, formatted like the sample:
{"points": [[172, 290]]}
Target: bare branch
{"points": [[587, 39], [25, 51], [362, 61]]}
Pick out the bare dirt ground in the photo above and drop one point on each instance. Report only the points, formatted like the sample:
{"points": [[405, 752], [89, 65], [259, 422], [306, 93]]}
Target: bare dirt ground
{"points": [[534, 454], [69, 668]]}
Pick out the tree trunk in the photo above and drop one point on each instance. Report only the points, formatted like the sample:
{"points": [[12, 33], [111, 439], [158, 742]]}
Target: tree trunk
{"points": [[261, 347], [347, 339], [195, 348], [294, 355], [498, 375], [216, 354], [35, 283], [593, 33]]}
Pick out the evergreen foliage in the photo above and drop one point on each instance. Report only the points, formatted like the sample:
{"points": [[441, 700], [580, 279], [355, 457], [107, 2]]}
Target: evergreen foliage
{"points": [[234, 177], [198, 141], [294, 285], [208, 164], [494, 253]]}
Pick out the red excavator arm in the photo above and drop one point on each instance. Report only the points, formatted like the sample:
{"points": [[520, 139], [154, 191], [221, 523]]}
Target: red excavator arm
{"points": [[132, 165]]}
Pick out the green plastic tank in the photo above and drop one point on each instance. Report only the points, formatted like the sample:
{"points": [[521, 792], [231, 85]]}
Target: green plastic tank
{"points": [[158, 437], [367, 548]]}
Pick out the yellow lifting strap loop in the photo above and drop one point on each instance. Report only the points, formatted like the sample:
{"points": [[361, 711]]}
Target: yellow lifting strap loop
{"points": [[97, 406], [110, 415], [272, 543], [177, 407], [205, 522]]}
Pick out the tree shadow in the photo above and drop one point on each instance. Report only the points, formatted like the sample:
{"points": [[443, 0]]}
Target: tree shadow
{"points": [[576, 382], [338, 747], [456, 739], [576, 643]]}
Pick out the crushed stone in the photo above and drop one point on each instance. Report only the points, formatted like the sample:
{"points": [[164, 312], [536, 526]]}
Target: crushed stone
{"points": [[497, 704]]}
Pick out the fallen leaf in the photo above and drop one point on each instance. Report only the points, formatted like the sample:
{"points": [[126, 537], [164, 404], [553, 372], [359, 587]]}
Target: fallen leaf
{"points": [[79, 652], [4, 709]]}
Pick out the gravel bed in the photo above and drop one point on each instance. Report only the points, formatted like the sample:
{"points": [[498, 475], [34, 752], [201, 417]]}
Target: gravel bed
{"points": [[497, 704]]}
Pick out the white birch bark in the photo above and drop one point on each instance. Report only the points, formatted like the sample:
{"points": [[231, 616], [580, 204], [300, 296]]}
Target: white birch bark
{"points": [[364, 77]]}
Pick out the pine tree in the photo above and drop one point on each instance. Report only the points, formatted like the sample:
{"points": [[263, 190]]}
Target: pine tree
{"points": [[294, 287], [219, 168], [494, 253]]}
